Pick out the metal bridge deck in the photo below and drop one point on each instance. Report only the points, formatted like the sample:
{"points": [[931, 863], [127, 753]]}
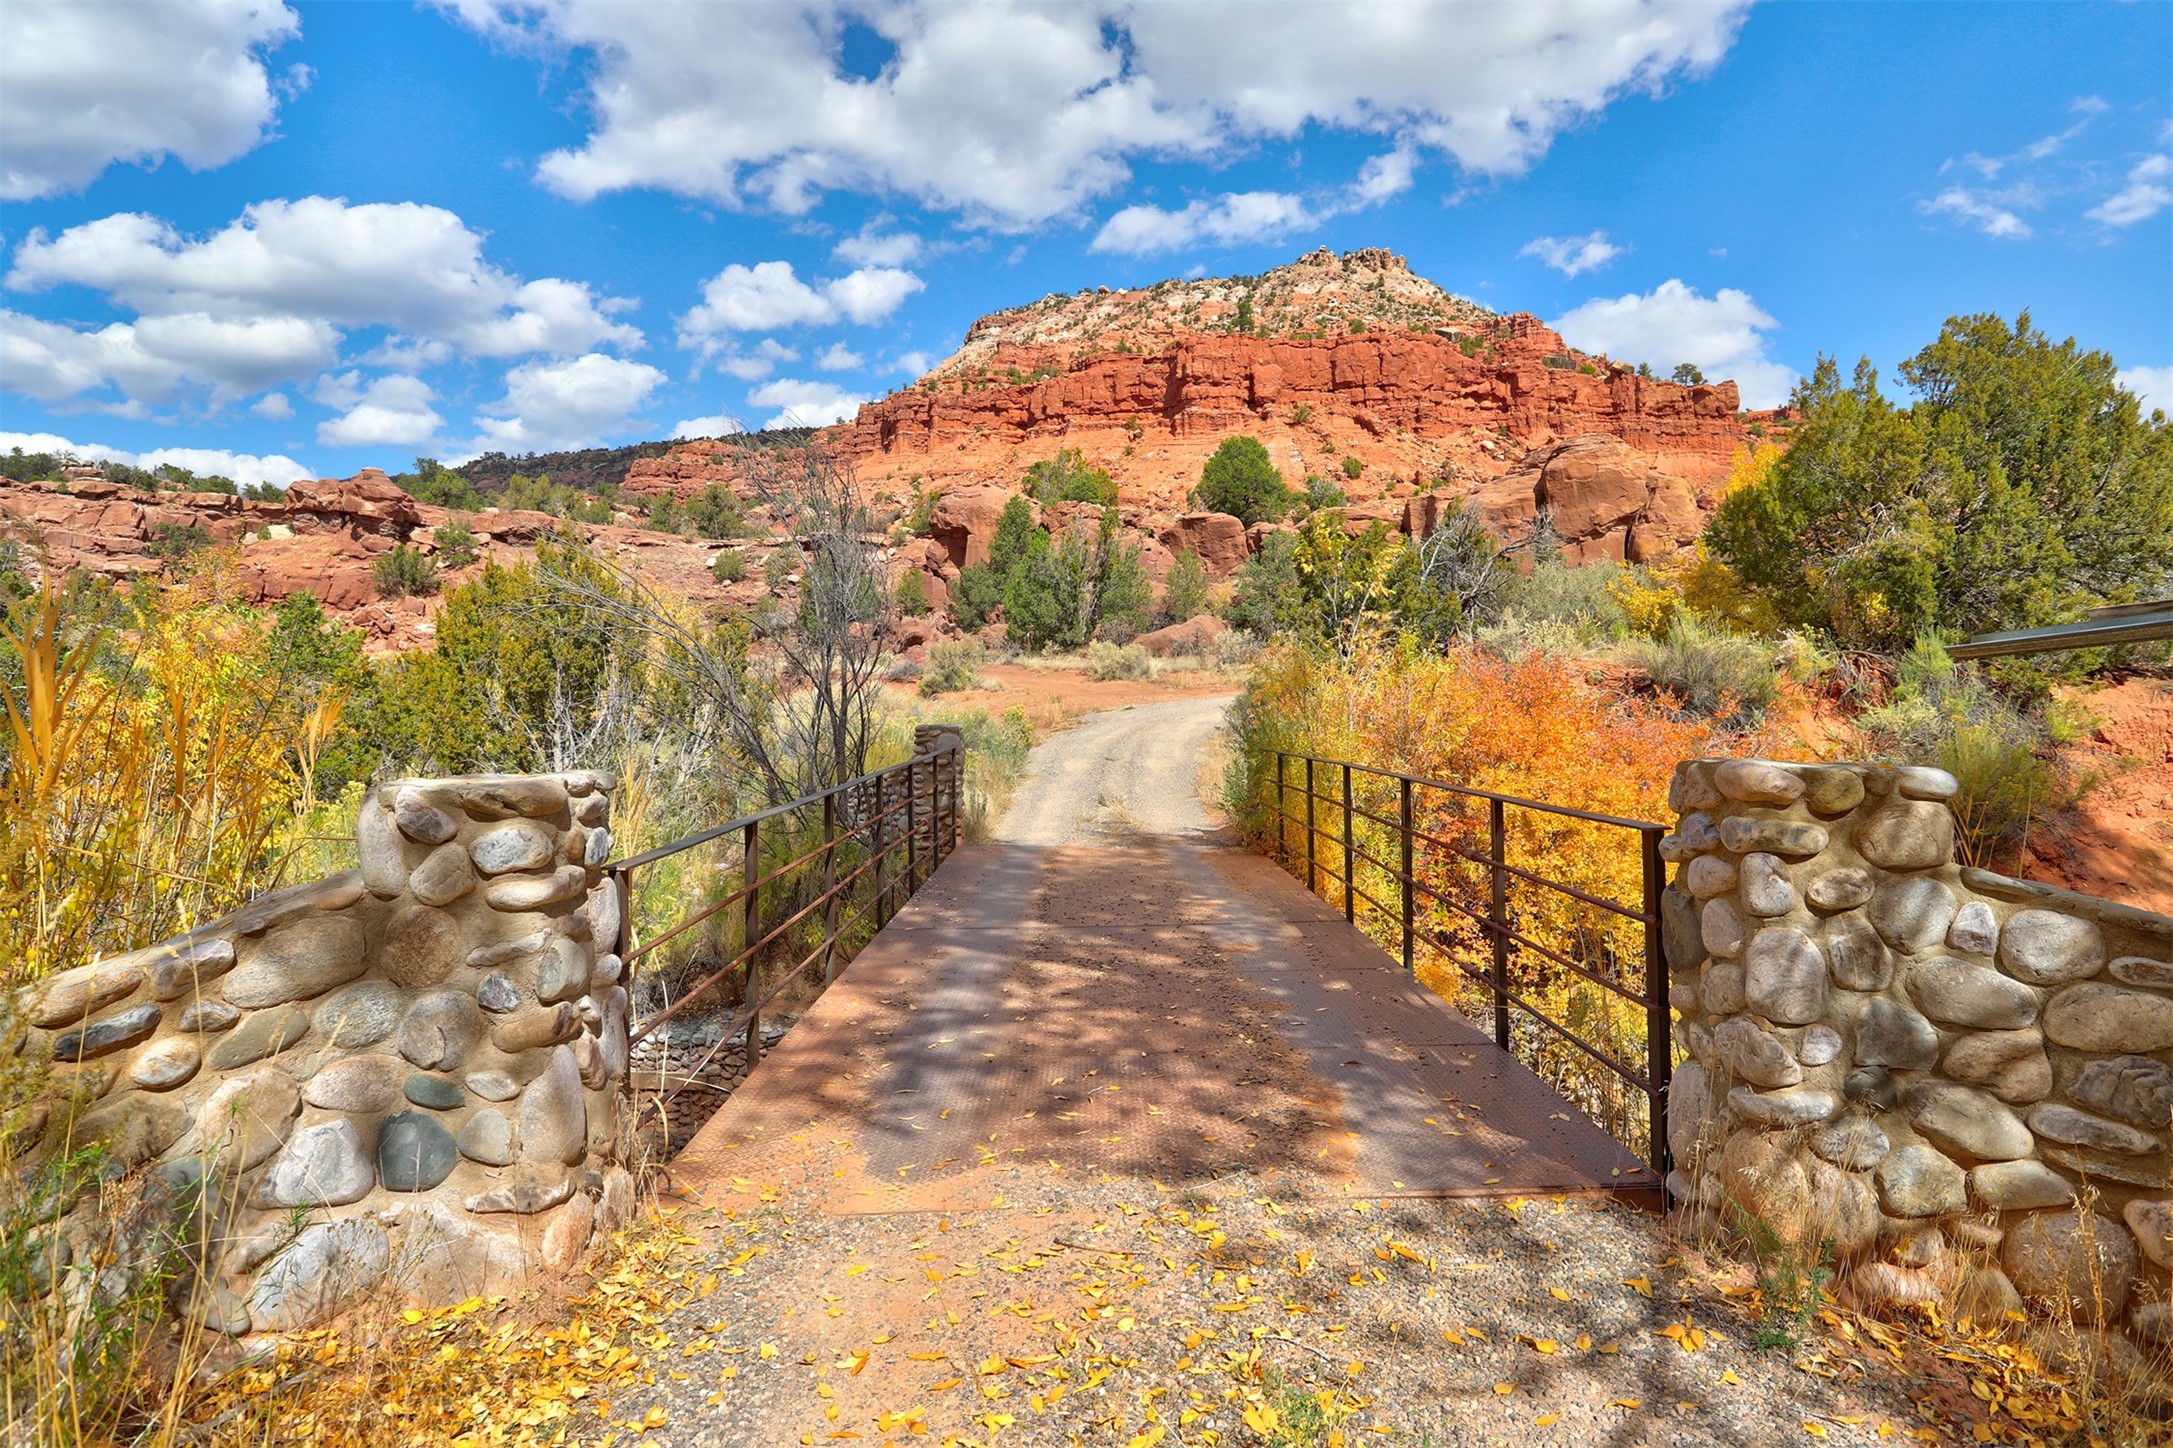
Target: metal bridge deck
{"points": [[1157, 1009]]}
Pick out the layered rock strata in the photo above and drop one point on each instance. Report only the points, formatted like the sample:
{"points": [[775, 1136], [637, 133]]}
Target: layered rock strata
{"points": [[1961, 1083], [406, 1079]]}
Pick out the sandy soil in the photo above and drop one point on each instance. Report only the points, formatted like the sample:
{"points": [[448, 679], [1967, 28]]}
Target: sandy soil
{"points": [[1056, 696], [2119, 842]]}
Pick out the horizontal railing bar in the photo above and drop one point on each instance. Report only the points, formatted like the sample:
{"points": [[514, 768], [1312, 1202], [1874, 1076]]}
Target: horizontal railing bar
{"points": [[1488, 794], [701, 837], [1614, 987], [1636, 1081]]}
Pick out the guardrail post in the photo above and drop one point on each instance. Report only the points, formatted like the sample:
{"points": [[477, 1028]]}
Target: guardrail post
{"points": [[1350, 866], [829, 888], [751, 853], [882, 854], [1312, 832], [912, 826], [1282, 810], [1659, 1049], [1498, 924], [1410, 961]]}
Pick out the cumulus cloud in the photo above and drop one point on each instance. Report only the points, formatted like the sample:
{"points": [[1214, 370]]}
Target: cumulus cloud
{"points": [[90, 83], [1989, 212], [265, 300], [387, 411], [2154, 385], [840, 358], [1570, 255], [699, 427], [1012, 112], [568, 404], [805, 403], [244, 468], [874, 246], [2145, 195], [1241, 217], [913, 364], [1724, 335], [770, 295], [273, 405]]}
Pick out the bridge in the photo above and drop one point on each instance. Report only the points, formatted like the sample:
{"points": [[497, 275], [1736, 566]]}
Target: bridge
{"points": [[1114, 987]]}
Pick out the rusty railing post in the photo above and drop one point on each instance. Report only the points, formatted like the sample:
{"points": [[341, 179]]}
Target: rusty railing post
{"points": [[877, 843], [751, 852], [1410, 959], [1659, 1049], [912, 827], [1282, 811], [1350, 866], [829, 888], [1498, 924], [1312, 831]]}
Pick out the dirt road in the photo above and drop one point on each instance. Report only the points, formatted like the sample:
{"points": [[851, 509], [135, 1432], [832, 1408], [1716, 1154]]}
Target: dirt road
{"points": [[1129, 771]]}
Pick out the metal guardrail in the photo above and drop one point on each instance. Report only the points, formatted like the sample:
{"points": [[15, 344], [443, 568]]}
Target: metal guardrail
{"points": [[881, 836], [1508, 978]]}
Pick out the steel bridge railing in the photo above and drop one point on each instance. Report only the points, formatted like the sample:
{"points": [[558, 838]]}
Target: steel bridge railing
{"points": [[1405, 816], [879, 839]]}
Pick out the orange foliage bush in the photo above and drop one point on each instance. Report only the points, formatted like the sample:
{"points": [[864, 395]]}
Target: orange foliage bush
{"points": [[1534, 728]]}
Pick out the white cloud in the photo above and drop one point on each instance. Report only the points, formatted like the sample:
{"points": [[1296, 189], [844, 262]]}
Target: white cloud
{"points": [[1014, 112], [913, 364], [872, 246], [1722, 334], [388, 411], [273, 405], [1570, 255], [569, 404], [243, 468], [1245, 217], [2145, 195], [768, 294], [265, 299], [840, 358], [701, 427], [805, 403], [1983, 210], [90, 84], [1233, 219], [746, 366], [2154, 385]]}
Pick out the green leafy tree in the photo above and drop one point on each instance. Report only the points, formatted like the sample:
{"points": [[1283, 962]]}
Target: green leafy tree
{"points": [[1688, 375], [1120, 599], [911, 595], [1045, 594], [1265, 596], [715, 513], [2020, 488], [980, 588], [456, 543], [1241, 480], [1185, 591], [1070, 478], [432, 482]]}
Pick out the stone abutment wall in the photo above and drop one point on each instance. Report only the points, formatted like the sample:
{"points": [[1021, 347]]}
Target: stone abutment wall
{"points": [[402, 1079], [1963, 1082]]}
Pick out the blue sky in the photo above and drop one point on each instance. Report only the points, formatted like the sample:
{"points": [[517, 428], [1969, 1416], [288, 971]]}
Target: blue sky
{"points": [[298, 240]]}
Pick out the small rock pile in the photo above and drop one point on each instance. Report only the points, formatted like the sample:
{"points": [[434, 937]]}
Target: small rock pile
{"points": [[405, 1078], [1963, 1082]]}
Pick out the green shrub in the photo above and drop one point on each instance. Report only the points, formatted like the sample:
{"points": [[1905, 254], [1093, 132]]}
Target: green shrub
{"points": [[456, 543], [953, 665], [403, 571], [1105, 661], [1721, 676], [715, 513], [173, 542], [730, 566], [1301, 414], [1324, 493], [911, 595], [778, 568], [1241, 480], [1352, 467], [1070, 478], [1185, 591]]}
